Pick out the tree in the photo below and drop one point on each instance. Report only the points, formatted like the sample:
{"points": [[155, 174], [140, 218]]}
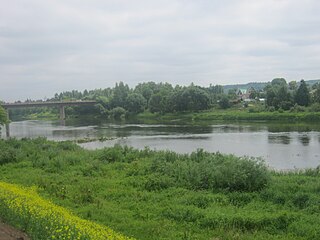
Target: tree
{"points": [[118, 112], [278, 81], [278, 95], [190, 99], [293, 85], [3, 116], [302, 96], [146, 90], [120, 94], [136, 103], [155, 103], [224, 102], [316, 93]]}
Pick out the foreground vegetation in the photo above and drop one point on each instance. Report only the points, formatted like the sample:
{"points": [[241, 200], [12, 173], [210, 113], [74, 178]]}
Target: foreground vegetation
{"points": [[43, 220], [163, 195]]}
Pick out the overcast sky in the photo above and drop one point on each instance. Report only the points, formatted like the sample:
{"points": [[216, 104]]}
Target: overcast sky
{"points": [[58, 45]]}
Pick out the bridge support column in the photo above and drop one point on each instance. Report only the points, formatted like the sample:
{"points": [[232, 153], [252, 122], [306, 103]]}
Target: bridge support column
{"points": [[7, 124], [62, 113], [7, 130]]}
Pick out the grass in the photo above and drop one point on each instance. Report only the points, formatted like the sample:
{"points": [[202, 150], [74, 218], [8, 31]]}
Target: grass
{"points": [[233, 114], [163, 195]]}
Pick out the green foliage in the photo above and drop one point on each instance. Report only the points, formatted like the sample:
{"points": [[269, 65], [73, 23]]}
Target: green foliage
{"points": [[214, 172], [190, 99], [3, 116], [224, 102], [278, 95], [302, 96], [164, 195], [315, 107], [120, 94], [117, 112], [316, 93], [136, 103]]}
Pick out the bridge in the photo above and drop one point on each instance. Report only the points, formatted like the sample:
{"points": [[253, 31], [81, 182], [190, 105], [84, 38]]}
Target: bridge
{"points": [[60, 104]]}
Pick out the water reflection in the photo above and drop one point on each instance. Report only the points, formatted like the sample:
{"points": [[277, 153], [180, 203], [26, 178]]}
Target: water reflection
{"points": [[304, 139], [279, 139]]}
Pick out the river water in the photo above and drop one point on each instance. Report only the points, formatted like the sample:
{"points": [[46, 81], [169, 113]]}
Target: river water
{"points": [[283, 146]]}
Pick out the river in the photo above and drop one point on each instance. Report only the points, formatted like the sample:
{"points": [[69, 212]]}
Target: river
{"points": [[283, 146]]}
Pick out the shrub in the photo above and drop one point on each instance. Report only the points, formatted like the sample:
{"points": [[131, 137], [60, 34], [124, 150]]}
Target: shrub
{"points": [[7, 156], [118, 112], [214, 171], [297, 108], [315, 107], [157, 182], [301, 201]]}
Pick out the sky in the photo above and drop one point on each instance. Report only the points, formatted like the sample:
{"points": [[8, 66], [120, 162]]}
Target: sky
{"points": [[51, 46]]}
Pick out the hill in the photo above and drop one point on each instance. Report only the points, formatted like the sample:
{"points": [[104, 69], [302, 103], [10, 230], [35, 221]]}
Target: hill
{"points": [[258, 85]]}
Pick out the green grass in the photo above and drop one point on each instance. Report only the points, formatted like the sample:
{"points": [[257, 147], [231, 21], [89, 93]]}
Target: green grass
{"points": [[232, 115], [163, 195]]}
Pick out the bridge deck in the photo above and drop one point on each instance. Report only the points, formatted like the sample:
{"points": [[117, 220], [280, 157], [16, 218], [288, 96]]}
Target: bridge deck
{"points": [[47, 104]]}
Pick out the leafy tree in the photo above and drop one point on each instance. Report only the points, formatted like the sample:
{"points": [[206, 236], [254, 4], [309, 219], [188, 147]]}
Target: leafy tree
{"points": [[146, 90], [293, 85], [161, 103], [3, 116], [155, 103], [278, 95], [316, 93], [302, 96], [118, 112], [190, 99], [224, 102], [279, 82], [120, 94], [136, 103]]}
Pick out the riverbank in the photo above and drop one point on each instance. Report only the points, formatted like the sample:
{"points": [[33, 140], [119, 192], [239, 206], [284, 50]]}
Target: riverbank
{"points": [[159, 194], [231, 115]]}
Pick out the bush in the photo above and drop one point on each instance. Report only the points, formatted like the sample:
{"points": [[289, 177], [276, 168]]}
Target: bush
{"points": [[315, 107], [215, 172], [224, 103], [7, 156], [118, 112], [297, 108], [158, 182]]}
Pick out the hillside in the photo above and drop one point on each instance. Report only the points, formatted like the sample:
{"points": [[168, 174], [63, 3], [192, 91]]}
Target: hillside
{"points": [[258, 85]]}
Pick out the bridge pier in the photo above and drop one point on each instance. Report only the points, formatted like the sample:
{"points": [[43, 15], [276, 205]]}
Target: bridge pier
{"points": [[7, 130], [62, 113], [7, 124]]}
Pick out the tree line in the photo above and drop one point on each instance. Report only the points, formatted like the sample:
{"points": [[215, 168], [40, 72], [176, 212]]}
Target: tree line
{"points": [[155, 97], [282, 95], [162, 98]]}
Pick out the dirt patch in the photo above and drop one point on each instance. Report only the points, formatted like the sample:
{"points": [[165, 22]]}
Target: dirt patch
{"points": [[9, 233]]}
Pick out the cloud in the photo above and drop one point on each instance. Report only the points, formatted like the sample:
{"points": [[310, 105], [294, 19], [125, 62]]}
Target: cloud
{"points": [[53, 46]]}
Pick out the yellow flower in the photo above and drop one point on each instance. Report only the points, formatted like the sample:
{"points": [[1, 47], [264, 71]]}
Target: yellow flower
{"points": [[48, 219]]}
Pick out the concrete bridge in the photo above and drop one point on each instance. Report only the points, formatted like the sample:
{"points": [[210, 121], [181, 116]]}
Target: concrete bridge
{"points": [[61, 105]]}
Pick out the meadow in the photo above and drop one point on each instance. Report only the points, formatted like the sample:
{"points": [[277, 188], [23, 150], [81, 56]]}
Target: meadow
{"points": [[146, 194]]}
